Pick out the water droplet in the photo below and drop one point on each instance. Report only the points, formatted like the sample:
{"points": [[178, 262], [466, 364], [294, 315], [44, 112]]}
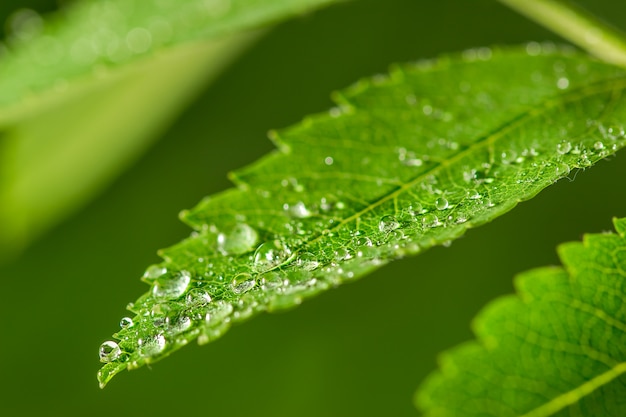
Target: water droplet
{"points": [[271, 281], [563, 147], [173, 287], [329, 160], [342, 254], [197, 298], [240, 239], [562, 83], [154, 271], [178, 325], [270, 254], [109, 351], [473, 195], [126, 322], [218, 312], [598, 146], [363, 241], [298, 210], [430, 220], [562, 169], [242, 283], [152, 345], [388, 224], [441, 203], [615, 132], [308, 261]]}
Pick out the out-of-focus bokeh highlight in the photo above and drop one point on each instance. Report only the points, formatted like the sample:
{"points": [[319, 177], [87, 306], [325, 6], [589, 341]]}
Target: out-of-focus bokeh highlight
{"points": [[360, 350]]}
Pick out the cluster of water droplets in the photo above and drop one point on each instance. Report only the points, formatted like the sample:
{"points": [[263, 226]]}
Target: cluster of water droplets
{"points": [[307, 241]]}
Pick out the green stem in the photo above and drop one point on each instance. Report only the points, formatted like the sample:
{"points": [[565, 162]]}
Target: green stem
{"points": [[576, 25]]}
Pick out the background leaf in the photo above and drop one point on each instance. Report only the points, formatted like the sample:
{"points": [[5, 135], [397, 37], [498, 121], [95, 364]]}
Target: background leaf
{"points": [[403, 164], [85, 92], [554, 350]]}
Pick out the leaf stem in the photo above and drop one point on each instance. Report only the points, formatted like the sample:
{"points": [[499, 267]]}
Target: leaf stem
{"points": [[576, 25]]}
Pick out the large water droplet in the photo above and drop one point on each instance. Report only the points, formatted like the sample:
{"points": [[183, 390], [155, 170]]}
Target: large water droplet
{"points": [[154, 271], [172, 287], [308, 261], [563, 147], [441, 203], [197, 298], [562, 169], [152, 345], [242, 283], [126, 322], [430, 220], [388, 224], [272, 281], [240, 239], [298, 210], [178, 325], [109, 351], [270, 254]]}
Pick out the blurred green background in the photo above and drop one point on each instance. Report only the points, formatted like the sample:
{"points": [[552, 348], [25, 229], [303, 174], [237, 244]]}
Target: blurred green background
{"points": [[360, 350]]}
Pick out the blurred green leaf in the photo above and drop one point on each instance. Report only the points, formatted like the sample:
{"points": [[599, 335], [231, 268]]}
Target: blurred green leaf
{"points": [[557, 349], [84, 93], [403, 163], [95, 36]]}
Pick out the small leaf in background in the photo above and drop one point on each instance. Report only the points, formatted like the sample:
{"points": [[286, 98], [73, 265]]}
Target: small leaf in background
{"points": [[557, 349], [85, 92], [403, 163]]}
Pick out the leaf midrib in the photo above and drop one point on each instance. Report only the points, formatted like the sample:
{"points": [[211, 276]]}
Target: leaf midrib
{"points": [[604, 86]]}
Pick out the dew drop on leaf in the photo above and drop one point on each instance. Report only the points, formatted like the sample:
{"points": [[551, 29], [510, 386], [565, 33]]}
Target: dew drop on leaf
{"points": [[564, 147], [240, 239], [172, 287], [441, 203], [271, 281], [109, 351], [197, 298], [270, 254], [152, 345], [242, 283], [430, 220], [298, 210], [154, 271], [388, 224], [562, 169], [178, 325], [126, 322]]}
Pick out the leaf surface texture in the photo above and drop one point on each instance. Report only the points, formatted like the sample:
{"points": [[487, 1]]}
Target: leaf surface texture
{"points": [[556, 349], [404, 162]]}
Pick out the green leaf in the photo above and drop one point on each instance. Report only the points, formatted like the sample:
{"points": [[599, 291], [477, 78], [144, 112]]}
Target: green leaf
{"points": [[97, 36], [85, 92], [403, 163], [557, 349]]}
